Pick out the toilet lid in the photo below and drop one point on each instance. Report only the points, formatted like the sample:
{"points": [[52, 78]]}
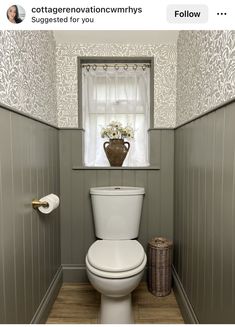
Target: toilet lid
{"points": [[116, 256]]}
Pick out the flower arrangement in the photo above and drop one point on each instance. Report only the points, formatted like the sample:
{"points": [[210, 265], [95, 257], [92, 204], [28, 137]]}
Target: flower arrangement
{"points": [[115, 130]]}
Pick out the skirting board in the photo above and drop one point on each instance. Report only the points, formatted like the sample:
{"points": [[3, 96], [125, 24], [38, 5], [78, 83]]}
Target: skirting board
{"points": [[182, 300], [77, 274], [74, 274], [44, 308]]}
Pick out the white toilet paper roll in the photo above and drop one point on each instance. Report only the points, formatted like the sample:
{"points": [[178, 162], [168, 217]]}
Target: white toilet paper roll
{"points": [[53, 202], [56, 198]]}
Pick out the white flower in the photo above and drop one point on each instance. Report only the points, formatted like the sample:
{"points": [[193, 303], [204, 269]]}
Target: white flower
{"points": [[115, 130]]}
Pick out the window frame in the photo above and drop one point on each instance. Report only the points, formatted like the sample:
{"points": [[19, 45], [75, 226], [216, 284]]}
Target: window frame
{"points": [[104, 60]]}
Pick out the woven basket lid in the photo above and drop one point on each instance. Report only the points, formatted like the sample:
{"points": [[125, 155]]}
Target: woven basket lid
{"points": [[160, 242]]}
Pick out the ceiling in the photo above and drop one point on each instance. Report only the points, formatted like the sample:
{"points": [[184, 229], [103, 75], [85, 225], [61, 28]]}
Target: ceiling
{"points": [[139, 37]]}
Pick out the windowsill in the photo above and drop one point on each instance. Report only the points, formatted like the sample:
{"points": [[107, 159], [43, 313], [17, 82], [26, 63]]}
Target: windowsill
{"points": [[115, 168]]}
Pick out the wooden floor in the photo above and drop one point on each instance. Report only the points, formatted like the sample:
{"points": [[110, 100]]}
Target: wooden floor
{"points": [[79, 304]]}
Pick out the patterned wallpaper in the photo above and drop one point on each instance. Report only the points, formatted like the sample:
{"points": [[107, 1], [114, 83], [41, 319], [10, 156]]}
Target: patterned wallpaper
{"points": [[205, 71], [164, 78], [28, 73], [205, 74]]}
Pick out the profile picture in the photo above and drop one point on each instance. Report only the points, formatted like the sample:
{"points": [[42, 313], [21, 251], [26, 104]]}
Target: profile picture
{"points": [[15, 14]]}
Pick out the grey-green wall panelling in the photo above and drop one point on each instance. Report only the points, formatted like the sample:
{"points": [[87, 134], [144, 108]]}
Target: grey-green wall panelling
{"points": [[77, 228], [41, 315], [29, 242], [183, 301], [167, 181], [155, 146], [204, 224]]}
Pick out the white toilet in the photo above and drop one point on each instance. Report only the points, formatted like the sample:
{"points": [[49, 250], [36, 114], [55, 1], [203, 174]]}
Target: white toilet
{"points": [[115, 263]]}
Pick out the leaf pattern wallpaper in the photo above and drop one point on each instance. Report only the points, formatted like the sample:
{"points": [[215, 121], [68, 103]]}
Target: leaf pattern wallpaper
{"points": [[164, 77], [40, 79], [28, 73], [205, 72]]}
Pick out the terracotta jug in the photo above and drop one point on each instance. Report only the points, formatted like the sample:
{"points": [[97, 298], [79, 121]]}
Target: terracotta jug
{"points": [[116, 151]]}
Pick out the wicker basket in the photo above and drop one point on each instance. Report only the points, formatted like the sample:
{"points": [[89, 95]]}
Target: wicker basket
{"points": [[159, 266]]}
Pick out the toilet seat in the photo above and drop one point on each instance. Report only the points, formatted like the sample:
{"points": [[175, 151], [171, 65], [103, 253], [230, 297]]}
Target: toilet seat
{"points": [[115, 255], [116, 258]]}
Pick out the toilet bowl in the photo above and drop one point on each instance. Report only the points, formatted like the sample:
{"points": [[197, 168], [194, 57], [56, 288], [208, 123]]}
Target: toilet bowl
{"points": [[115, 269], [115, 263]]}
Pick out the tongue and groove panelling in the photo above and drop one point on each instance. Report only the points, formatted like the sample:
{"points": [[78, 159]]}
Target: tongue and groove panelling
{"points": [[29, 242], [204, 223]]}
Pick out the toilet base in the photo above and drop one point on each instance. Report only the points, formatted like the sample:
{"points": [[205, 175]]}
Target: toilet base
{"points": [[116, 310]]}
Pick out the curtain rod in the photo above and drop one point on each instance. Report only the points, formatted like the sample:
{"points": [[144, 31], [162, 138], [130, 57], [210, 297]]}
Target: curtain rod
{"points": [[105, 66]]}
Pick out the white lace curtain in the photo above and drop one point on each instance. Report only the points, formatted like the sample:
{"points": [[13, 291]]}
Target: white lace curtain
{"points": [[116, 95]]}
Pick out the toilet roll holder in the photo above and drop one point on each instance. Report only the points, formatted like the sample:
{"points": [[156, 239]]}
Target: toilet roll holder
{"points": [[37, 203]]}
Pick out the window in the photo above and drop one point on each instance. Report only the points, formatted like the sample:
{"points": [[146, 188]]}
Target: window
{"points": [[116, 92]]}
